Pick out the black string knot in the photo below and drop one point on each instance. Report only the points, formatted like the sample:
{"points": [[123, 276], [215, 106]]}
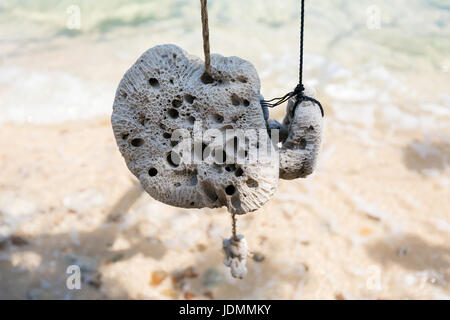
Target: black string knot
{"points": [[299, 89], [302, 97], [298, 92]]}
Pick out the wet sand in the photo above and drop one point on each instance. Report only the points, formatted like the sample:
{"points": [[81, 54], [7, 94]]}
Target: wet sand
{"points": [[369, 224]]}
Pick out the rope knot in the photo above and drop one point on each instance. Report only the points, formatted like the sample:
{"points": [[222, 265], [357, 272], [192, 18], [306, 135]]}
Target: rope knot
{"points": [[299, 95], [299, 89], [302, 97], [298, 92]]}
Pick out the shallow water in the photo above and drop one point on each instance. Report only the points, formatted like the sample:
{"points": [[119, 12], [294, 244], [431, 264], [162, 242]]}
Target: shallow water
{"points": [[370, 61]]}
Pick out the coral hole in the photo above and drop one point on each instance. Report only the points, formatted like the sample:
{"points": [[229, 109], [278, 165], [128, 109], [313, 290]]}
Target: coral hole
{"points": [[153, 82], [137, 142], [152, 172], [173, 113], [230, 190]]}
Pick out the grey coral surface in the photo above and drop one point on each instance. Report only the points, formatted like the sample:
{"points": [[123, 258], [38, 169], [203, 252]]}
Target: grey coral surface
{"points": [[161, 104], [299, 152]]}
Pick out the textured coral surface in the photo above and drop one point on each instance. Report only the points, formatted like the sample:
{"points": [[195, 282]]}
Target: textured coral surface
{"points": [[164, 101]]}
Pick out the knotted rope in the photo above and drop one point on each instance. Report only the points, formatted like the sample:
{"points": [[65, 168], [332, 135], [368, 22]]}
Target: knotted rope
{"points": [[298, 92], [300, 96]]}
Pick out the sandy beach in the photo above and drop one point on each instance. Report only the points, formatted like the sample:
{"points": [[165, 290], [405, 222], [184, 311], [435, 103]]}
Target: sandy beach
{"points": [[376, 230], [372, 222]]}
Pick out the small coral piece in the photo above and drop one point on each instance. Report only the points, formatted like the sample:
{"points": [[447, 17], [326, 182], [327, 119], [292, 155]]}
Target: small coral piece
{"points": [[300, 149], [236, 251]]}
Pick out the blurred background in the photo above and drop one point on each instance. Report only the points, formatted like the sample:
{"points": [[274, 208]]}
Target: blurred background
{"points": [[373, 221]]}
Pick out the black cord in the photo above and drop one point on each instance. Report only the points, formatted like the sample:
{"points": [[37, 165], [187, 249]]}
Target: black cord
{"points": [[298, 92], [302, 28]]}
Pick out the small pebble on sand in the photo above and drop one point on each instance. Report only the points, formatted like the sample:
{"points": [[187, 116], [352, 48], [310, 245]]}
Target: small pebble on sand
{"points": [[157, 277], [258, 257], [213, 277]]}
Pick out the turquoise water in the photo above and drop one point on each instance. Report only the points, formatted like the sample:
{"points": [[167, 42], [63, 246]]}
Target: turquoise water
{"points": [[416, 28], [354, 50]]}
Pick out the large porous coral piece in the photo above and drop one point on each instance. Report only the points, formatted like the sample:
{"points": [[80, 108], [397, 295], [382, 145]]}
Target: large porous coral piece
{"points": [[299, 152], [178, 130]]}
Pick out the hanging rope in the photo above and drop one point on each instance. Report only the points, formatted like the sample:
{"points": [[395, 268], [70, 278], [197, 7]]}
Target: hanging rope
{"points": [[302, 28], [235, 240], [205, 32], [233, 226], [298, 92]]}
